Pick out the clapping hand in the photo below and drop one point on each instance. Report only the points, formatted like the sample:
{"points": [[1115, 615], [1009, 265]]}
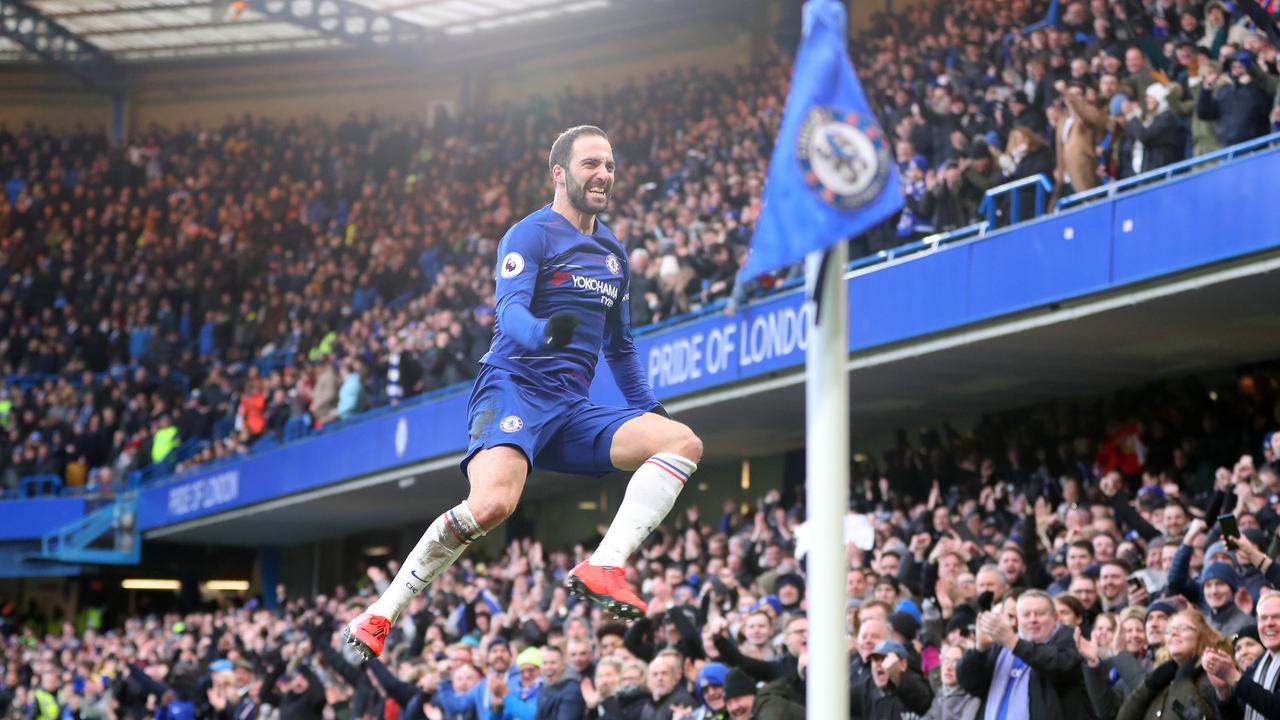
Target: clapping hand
{"points": [[995, 629], [1087, 647], [1222, 672], [1220, 665], [589, 693]]}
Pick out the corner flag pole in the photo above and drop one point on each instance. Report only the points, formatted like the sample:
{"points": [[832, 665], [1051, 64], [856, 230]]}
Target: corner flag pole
{"points": [[831, 177], [827, 483]]}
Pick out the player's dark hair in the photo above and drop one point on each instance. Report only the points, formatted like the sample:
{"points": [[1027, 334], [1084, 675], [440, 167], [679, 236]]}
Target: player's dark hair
{"points": [[562, 148]]}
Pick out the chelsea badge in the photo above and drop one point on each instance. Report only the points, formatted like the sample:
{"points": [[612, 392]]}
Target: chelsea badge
{"points": [[843, 157]]}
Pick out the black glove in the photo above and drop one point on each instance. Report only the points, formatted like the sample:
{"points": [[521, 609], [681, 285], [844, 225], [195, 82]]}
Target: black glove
{"points": [[659, 410], [1162, 675], [560, 328]]}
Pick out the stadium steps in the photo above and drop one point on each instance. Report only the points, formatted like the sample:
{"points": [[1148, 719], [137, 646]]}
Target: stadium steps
{"points": [[106, 536]]}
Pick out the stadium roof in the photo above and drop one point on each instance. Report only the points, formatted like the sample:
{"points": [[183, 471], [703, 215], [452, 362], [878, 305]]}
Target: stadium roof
{"points": [[141, 30]]}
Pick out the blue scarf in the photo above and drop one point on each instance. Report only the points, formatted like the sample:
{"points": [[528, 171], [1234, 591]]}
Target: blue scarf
{"points": [[1008, 698]]}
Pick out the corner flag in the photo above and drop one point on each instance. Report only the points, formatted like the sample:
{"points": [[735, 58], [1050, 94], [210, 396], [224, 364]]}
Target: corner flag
{"points": [[831, 175]]}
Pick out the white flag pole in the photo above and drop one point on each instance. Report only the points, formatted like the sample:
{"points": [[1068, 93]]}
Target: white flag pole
{"points": [[827, 484]]}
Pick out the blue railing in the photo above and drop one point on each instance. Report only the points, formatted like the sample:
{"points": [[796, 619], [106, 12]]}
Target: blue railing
{"points": [[72, 542], [37, 485], [117, 372], [991, 201], [137, 478]]}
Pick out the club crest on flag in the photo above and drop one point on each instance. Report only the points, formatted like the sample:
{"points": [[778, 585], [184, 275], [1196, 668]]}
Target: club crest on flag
{"points": [[843, 156], [831, 174]]}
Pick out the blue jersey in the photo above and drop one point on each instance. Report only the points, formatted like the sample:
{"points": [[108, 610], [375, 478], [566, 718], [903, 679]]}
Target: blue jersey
{"points": [[545, 266]]}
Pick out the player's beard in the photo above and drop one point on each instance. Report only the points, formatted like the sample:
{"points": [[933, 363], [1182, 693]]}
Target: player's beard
{"points": [[582, 202]]}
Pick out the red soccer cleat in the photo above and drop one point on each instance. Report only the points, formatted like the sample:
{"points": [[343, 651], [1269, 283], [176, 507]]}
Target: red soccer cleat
{"points": [[607, 587], [366, 634]]}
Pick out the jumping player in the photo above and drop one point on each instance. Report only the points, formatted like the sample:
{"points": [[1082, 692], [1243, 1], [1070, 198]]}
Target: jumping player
{"points": [[562, 291]]}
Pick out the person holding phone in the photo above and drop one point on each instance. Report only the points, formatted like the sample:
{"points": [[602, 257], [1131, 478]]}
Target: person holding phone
{"points": [[1250, 555], [1215, 592]]}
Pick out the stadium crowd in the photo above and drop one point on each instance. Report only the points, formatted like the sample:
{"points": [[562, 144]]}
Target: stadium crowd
{"points": [[214, 288], [217, 284], [977, 94], [1062, 559], [221, 285]]}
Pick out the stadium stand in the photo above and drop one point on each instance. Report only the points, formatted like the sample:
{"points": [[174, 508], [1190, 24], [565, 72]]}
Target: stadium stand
{"points": [[316, 272], [202, 292], [725, 590], [267, 227]]}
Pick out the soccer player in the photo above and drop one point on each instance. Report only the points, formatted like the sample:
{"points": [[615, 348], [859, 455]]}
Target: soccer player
{"points": [[562, 291]]}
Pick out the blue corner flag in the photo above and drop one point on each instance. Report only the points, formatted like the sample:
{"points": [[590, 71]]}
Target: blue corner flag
{"points": [[831, 176]]}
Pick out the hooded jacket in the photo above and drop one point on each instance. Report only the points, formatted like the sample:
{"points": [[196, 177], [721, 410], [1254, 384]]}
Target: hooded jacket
{"points": [[1241, 109]]}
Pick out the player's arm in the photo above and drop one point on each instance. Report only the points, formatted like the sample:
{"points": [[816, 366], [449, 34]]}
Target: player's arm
{"points": [[624, 361], [520, 255]]}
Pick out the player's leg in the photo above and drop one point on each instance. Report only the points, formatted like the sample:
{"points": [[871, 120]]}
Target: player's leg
{"points": [[497, 477], [505, 432], [663, 453]]}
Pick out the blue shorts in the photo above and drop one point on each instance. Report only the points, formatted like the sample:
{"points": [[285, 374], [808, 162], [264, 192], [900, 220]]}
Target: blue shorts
{"points": [[568, 434]]}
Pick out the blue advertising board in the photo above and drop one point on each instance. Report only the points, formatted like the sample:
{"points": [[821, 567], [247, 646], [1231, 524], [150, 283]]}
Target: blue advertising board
{"points": [[419, 432]]}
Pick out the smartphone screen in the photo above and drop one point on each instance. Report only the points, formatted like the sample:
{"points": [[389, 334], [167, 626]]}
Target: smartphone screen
{"points": [[1228, 524]]}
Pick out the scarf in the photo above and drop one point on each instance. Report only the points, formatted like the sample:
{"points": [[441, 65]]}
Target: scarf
{"points": [[1009, 697]]}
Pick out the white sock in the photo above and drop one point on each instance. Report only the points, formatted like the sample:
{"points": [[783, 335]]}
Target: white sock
{"points": [[650, 495], [439, 547]]}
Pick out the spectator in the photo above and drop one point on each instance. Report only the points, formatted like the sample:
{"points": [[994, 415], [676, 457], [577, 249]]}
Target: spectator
{"points": [[1238, 105], [350, 391], [744, 702], [1138, 73], [1178, 681], [709, 693], [521, 700], [666, 687], [1032, 673], [952, 702], [1077, 140], [560, 697], [944, 204], [1157, 134], [1026, 154], [1247, 647], [1250, 690], [895, 690], [1217, 586]]}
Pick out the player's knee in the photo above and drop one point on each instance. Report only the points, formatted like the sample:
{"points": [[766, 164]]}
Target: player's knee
{"points": [[686, 443], [491, 510]]}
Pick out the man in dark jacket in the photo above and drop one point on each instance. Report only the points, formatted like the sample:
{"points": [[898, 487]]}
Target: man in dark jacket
{"points": [[744, 702], [560, 698], [945, 202], [1034, 673], [666, 687], [1240, 106], [303, 698], [893, 689]]}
